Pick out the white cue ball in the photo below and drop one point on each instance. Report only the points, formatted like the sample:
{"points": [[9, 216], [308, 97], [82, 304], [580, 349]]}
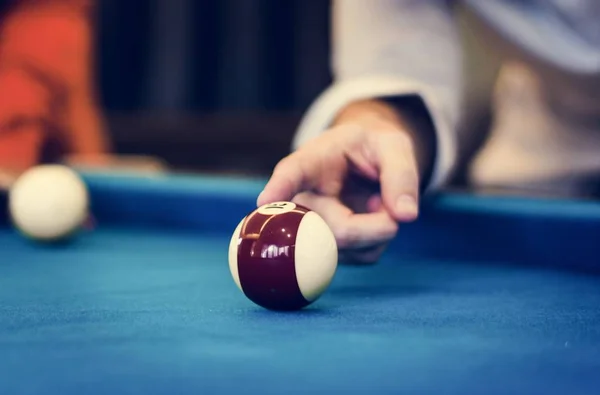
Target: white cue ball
{"points": [[48, 202]]}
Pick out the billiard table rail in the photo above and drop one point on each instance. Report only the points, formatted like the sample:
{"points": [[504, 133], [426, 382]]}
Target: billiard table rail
{"points": [[557, 233]]}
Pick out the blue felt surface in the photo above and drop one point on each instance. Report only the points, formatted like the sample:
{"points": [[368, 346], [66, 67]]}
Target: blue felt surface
{"points": [[145, 312], [146, 303]]}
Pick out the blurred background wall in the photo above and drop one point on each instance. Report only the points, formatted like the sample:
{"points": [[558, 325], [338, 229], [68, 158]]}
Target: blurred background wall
{"points": [[220, 85], [215, 85]]}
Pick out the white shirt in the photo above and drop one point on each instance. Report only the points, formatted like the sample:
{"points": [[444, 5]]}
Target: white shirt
{"points": [[547, 102]]}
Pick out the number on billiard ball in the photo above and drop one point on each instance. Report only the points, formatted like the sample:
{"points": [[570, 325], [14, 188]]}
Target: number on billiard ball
{"points": [[283, 256], [275, 206]]}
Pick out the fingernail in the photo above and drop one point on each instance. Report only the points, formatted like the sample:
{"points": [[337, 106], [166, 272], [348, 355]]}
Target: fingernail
{"points": [[406, 204]]}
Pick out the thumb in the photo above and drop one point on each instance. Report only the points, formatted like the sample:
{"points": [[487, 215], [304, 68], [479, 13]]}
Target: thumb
{"points": [[398, 174]]}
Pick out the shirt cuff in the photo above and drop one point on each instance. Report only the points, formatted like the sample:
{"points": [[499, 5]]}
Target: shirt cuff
{"points": [[325, 109]]}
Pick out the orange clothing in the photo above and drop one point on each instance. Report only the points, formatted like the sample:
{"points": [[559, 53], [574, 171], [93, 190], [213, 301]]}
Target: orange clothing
{"points": [[47, 92]]}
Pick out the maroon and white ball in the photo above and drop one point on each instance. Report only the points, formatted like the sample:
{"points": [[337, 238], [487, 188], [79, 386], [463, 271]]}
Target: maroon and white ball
{"points": [[283, 256]]}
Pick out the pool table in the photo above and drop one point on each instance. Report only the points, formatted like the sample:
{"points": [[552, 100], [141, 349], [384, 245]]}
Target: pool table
{"points": [[482, 295]]}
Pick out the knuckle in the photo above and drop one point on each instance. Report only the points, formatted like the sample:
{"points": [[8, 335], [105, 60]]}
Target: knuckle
{"points": [[278, 170], [321, 143], [399, 140], [348, 129], [288, 167], [350, 135], [283, 165]]}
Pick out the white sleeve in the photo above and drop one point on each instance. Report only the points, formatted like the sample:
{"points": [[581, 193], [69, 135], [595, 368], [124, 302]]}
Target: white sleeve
{"points": [[393, 48]]}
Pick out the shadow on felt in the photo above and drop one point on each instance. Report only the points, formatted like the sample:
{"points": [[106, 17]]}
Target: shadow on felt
{"points": [[315, 310]]}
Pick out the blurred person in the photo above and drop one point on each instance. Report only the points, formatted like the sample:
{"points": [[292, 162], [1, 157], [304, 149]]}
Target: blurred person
{"points": [[49, 110], [390, 127], [48, 105]]}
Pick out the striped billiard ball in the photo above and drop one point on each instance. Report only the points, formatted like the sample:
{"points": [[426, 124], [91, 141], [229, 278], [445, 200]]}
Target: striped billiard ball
{"points": [[283, 256]]}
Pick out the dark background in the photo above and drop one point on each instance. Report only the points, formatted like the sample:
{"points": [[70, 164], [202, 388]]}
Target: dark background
{"points": [[215, 85]]}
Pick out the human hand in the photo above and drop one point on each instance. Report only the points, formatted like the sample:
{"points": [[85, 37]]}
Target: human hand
{"points": [[361, 176]]}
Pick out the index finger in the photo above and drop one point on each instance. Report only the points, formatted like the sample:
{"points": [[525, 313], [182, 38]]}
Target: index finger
{"points": [[291, 176]]}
